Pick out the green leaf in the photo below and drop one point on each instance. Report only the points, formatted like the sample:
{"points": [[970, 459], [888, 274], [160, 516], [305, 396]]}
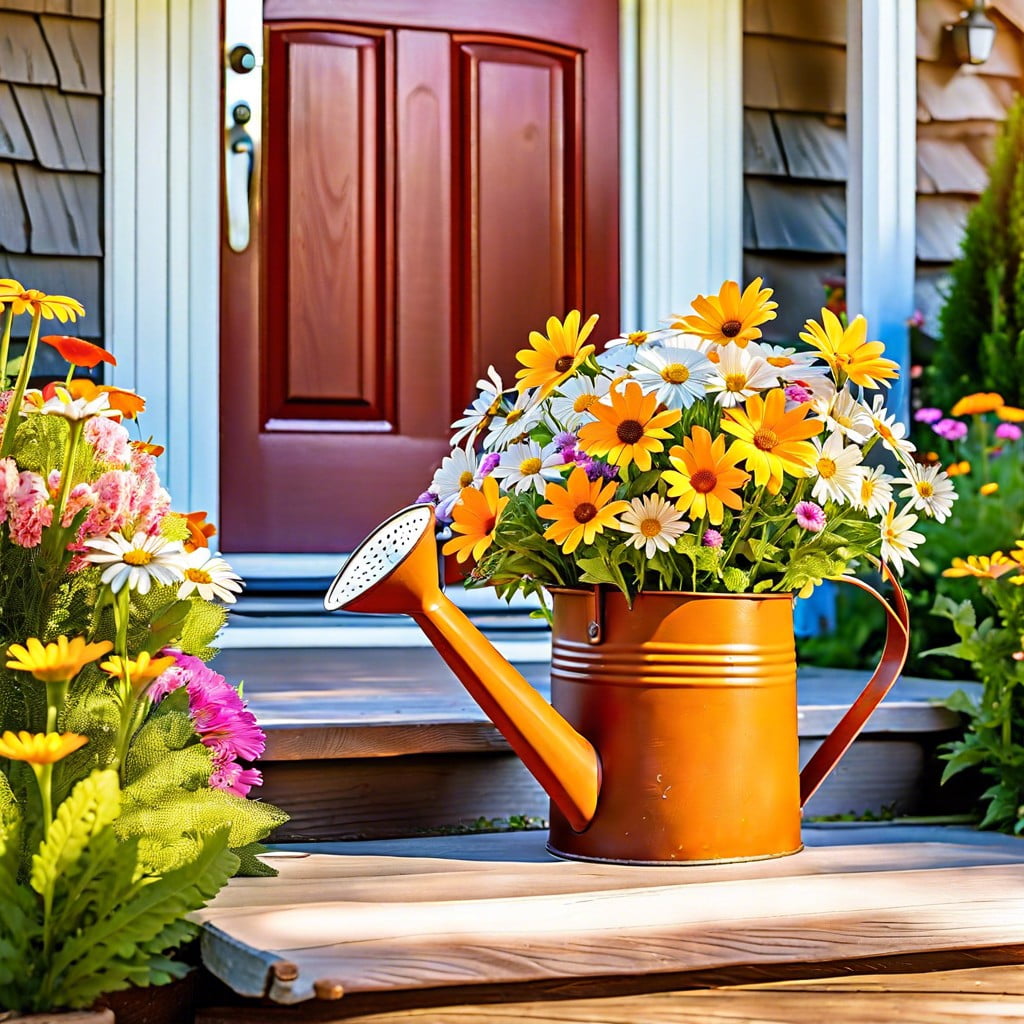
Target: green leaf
{"points": [[960, 701], [964, 757], [165, 626], [736, 580]]}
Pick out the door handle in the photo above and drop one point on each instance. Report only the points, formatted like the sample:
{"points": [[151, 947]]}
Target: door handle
{"points": [[243, 105]]}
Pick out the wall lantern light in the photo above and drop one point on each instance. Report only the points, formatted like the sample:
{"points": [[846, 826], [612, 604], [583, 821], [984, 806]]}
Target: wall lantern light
{"points": [[973, 35]]}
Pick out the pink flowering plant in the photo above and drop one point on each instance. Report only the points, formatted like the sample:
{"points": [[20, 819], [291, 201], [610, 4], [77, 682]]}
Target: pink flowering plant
{"points": [[125, 761]]}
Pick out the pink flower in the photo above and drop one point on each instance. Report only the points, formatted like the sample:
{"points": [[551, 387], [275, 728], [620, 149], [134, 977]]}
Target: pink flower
{"points": [[712, 539], [810, 516], [32, 511], [110, 511], [951, 430], [108, 439], [1008, 432], [928, 415], [80, 496], [231, 777], [8, 486], [798, 393]]}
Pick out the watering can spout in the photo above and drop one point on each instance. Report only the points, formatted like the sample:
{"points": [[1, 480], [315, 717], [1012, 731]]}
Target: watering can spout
{"points": [[395, 570]]}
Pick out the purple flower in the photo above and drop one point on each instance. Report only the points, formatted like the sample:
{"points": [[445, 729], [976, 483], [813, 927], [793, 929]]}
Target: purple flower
{"points": [[711, 539], [490, 460], [810, 516], [566, 439], [916, 319], [568, 455], [1008, 432], [951, 430], [798, 393], [427, 498], [928, 415], [595, 469]]}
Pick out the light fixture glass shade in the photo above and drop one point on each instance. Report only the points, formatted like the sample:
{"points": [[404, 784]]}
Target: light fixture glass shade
{"points": [[974, 35]]}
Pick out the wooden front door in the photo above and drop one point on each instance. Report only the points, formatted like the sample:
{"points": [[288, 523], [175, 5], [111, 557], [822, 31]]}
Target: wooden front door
{"points": [[433, 181]]}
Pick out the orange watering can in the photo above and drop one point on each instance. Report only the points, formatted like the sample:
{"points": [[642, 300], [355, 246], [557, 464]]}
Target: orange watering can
{"points": [[672, 732]]}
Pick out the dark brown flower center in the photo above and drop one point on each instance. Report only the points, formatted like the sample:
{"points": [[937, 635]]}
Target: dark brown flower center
{"points": [[629, 431], [563, 363], [766, 439], [731, 328], [584, 512], [703, 481]]}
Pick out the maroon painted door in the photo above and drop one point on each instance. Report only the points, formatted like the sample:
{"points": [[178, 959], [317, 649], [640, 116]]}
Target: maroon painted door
{"points": [[435, 180]]}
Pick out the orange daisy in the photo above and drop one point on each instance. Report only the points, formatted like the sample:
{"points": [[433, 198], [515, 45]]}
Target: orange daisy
{"points": [[848, 351], [199, 530], [977, 404], [127, 403], [581, 510], [728, 316], [705, 478], [156, 450], [629, 429], [475, 516], [40, 748], [31, 300], [79, 352], [770, 440], [1010, 414], [553, 359]]}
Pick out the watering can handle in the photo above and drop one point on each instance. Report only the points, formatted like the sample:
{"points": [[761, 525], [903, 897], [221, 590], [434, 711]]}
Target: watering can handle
{"points": [[894, 655]]}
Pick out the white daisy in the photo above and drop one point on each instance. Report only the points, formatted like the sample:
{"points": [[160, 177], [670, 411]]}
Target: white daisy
{"points": [[137, 562], [623, 350], [738, 375], [477, 415], [930, 491], [510, 424], [898, 538], [875, 491], [890, 430], [789, 363], [845, 415], [63, 404], [527, 465], [210, 576], [570, 407], [653, 523], [835, 466], [678, 376], [458, 470]]}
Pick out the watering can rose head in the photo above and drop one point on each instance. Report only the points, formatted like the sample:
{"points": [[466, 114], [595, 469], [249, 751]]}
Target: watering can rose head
{"points": [[693, 458]]}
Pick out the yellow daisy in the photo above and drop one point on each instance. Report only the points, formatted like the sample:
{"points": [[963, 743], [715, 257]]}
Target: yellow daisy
{"points": [[581, 510], [475, 517], [1010, 414], [141, 671], [705, 477], [629, 429], [988, 566], [41, 747], [977, 404], [57, 662], [848, 351], [772, 441], [30, 300], [728, 316], [554, 358]]}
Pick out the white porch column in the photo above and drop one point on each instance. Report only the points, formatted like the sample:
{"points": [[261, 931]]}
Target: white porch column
{"points": [[162, 237], [682, 153], [881, 125]]}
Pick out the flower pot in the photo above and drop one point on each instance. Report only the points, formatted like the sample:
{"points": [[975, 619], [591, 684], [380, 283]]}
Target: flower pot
{"points": [[61, 1017]]}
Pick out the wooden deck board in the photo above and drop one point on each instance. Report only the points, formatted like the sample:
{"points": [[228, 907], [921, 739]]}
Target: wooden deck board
{"points": [[485, 910]]}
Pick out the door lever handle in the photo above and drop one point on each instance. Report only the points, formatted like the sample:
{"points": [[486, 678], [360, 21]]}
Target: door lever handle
{"points": [[241, 161]]}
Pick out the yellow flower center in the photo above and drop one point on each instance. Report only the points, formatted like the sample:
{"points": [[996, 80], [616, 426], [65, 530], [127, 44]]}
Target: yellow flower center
{"points": [[765, 440], [563, 364], [676, 373], [883, 430], [514, 416], [650, 527], [780, 361], [583, 403], [629, 431], [198, 576], [867, 490], [528, 467], [636, 337], [584, 512], [890, 533], [925, 489], [826, 468], [137, 557], [731, 328], [465, 478], [735, 381], [703, 481]]}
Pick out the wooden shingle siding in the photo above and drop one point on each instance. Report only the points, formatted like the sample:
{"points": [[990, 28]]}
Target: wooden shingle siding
{"points": [[815, 147], [789, 216], [761, 151], [820, 22], [783, 74], [948, 166], [51, 155]]}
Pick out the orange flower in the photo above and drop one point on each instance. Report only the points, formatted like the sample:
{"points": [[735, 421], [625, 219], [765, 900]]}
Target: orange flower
{"points": [[30, 300], [728, 316], [40, 748], [978, 403], [581, 510], [148, 448], [705, 477], [772, 441], [1010, 413], [199, 530], [958, 469], [56, 662], [475, 516], [988, 489], [127, 403], [981, 565], [848, 351], [552, 359], [629, 429], [79, 352]]}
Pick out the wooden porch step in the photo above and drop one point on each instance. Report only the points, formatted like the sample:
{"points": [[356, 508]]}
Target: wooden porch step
{"points": [[420, 925], [367, 742]]}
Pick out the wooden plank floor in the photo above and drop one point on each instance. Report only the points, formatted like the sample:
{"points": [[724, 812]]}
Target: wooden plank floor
{"points": [[496, 910]]}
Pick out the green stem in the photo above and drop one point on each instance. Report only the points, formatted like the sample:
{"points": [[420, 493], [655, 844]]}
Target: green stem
{"points": [[74, 435], [744, 525], [982, 430], [44, 779], [14, 409], [5, 344], [71, 373]]}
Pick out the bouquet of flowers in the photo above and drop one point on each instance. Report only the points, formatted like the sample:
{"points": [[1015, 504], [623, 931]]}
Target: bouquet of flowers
{"points": [[122, 755], [695, 457]]}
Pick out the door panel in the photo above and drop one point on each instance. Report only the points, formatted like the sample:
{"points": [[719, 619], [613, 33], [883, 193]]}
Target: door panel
{"points": [[423, 206]]}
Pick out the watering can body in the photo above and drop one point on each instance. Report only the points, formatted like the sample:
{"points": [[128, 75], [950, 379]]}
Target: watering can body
{"points": [[672, 732]]}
